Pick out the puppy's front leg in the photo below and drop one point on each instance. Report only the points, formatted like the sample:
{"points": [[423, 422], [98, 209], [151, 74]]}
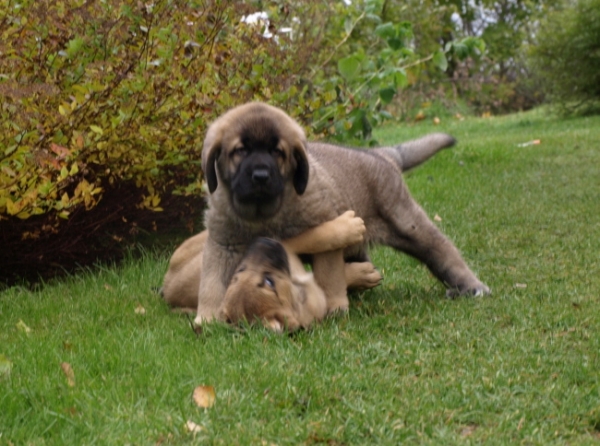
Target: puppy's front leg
{"points": [[344, 230], [329, 272], [218, 267]]}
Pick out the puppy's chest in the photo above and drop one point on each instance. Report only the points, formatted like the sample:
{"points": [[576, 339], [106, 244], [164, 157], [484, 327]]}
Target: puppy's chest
{"points": [[236, 234]]}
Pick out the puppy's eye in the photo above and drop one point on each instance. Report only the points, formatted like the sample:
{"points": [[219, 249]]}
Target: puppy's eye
{"points": [[278, 152], [239, 151], [268, 281]]}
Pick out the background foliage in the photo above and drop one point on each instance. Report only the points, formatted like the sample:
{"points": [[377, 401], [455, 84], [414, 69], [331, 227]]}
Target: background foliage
{"points": [[566, 55], [107, 102], [103, 105], [498, 81]]}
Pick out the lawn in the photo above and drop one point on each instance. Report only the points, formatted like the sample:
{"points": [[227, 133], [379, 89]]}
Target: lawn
{"points": [[406, 365]]}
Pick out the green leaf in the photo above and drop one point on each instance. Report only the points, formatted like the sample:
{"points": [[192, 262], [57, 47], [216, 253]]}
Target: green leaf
{"points": [[11, 149], [74, 46], [400, 79], [96, 129], [386, 30], [349, 67], [348, 25], [385, 114], [440, 61], [460, 50], [387, 94], [395, 43]]}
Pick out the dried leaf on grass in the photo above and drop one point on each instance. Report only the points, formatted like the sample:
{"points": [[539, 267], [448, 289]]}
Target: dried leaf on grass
{"points": [[21, 326], [204, 396], [534, 142], [5, 366], [68, 371], [192, 427], [468, 430], [437, 218], [140, 310]]}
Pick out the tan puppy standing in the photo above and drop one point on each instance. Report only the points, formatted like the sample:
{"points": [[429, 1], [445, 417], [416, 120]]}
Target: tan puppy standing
{"points": [[265, 179]]}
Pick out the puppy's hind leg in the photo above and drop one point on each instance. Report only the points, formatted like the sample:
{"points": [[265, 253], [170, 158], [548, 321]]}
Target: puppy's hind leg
{"points": [[416, 235], [330, 275], [362, 276]]}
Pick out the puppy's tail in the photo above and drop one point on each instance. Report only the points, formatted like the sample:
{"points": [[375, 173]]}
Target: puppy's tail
{"points": [[412, 153]]}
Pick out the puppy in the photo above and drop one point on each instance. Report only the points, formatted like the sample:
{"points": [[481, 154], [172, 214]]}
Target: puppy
{"points": [[266, 180], [272, 286]]}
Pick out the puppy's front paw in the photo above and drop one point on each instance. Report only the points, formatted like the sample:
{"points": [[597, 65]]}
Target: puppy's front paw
{"points": [[274, 324], [338, 311], [202, 319], [338, 305], [476, 290], [350, 228], [282, 322]]}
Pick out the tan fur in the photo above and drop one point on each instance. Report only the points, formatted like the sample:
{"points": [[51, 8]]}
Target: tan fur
{"points": [[181, 282], [299, 301], [294, 301], [320, 181], [291, 299]]}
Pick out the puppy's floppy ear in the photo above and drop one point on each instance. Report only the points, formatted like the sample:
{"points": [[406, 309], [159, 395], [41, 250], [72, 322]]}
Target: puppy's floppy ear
{"points": [[300, 179], [210, 152]]}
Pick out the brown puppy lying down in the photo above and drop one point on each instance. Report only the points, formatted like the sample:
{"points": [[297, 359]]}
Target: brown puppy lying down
{"points": [[271, 284]]}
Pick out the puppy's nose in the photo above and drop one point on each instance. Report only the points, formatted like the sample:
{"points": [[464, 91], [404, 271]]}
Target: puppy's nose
{"points": [[260, 176]]}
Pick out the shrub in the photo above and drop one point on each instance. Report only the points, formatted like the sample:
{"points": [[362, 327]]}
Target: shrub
{"points": [[566, 56], [99, 97]]}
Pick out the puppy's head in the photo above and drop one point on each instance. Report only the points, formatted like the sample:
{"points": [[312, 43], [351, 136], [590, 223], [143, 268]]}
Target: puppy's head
{"points": [[261, 289], [254, 150]]}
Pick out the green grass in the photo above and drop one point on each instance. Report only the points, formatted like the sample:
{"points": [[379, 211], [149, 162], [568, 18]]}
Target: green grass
{"points": [[405, 366]]}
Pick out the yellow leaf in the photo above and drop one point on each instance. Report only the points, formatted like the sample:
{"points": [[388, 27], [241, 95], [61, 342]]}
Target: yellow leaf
{"points": [[21, 326], [96, 129], [192, 427], [62, 110], [204, 396], [64, 214], [68, 371], [11, 208], [140, 310], [74, 169]]}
